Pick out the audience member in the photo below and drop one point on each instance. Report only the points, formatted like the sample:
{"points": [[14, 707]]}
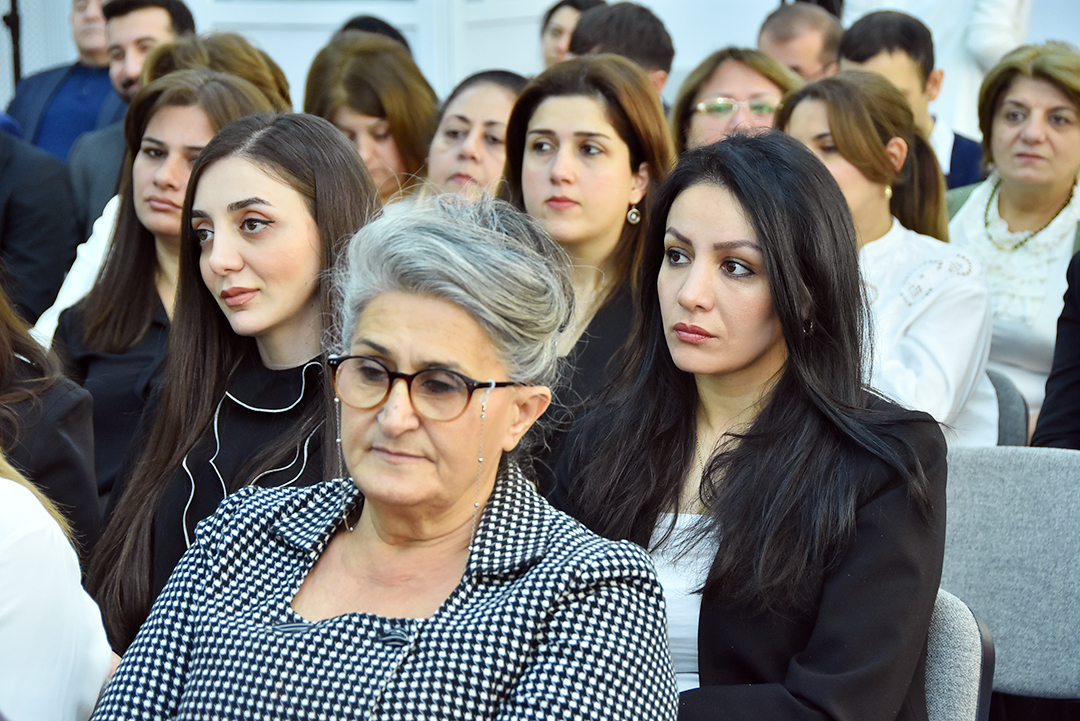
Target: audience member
{"points": [[54, 107], [734, 88], [630, 30], [56, 657], [900, 48], [372, 24], [38, 234], [113, 341], [929, 304], [797, 519], [557, 27], [971, 37], [224, 52], [271, 202], [475, 566], [802, 36], [468, 151], [1059, 421], [45, 427], [585, 144], [1021, 223], [133, 28], [370, 88]]}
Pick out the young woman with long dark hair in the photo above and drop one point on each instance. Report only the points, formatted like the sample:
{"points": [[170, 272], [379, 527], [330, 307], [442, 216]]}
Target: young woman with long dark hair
{"points": [[270, 204], [743, 448]]}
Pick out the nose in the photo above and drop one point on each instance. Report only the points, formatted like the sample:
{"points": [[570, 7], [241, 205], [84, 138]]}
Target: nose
{"points": [[172, 173], [133, 62], [696, 290], [364, 147], [1034, 130], [470, 147], [563, 166], [224, 256], [741, 118], [397, 414], [94, 12]]}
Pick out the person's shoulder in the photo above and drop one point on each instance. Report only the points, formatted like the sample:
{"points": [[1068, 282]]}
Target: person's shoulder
{"points": [[913, 435], [45, 79], [256, 510]]}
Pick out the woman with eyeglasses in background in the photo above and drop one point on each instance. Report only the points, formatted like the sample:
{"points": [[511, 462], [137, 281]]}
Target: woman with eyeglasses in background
{"points": [[734, 88]]}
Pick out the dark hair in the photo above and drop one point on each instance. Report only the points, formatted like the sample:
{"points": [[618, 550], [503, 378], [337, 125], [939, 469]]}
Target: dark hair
{"points": [[579, 5], [633, 109], [1057, 63], [314, 158], [791, 20], [225, 52], [120, 307], [18, 347], [374, 75], [626, 29], [505, 79], [865, 111], [683, 109], [889, 31], [782, 497], [182, 20], [372, 24]]}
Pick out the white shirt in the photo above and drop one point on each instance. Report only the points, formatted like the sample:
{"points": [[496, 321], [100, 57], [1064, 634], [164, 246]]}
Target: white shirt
{"points": [[84, 271], [54, 657], [930, 312], [970, 37], [1027, 284]]}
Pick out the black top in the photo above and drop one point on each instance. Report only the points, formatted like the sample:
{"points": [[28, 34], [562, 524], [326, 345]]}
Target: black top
{"points": [[120, 383], [965, 163], [55, 450], [260, 406], [1059, 420], [860, 652]]}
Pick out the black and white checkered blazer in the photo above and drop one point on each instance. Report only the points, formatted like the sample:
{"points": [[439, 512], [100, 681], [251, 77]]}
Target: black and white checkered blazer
{"points": [[549, 622]]}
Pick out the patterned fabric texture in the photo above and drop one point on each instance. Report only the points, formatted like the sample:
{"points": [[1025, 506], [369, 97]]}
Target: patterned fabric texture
{"points": [[549, 622]]}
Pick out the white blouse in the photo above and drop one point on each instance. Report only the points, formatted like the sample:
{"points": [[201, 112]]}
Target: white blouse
{"points": [[54, 657], [1027, 283], [931, 321]]}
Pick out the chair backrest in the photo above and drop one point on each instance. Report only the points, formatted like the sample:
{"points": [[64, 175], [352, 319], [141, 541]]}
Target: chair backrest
{"points": [[959, 663], [1012, 552], [1012, 410]]}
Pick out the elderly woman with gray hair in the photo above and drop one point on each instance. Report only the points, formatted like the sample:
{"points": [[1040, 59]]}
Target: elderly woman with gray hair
{"points": [[434, 582]]}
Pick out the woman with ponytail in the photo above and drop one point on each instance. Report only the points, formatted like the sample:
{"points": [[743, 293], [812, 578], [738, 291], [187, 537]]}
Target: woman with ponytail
{"points": [[929, 303]]}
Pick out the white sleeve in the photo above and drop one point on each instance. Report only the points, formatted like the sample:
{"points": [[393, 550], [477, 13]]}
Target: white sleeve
{"points": [[84, 271], [55, 655]]}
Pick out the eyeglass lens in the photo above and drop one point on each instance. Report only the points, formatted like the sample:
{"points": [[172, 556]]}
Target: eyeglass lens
{"points": [[437, 394]]}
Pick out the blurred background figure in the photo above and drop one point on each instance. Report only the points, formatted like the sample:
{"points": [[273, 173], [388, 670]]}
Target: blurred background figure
{"points": [[372, 24], [468, 151], [557, 27], [630, 30], [369, 87], [803, 37]]}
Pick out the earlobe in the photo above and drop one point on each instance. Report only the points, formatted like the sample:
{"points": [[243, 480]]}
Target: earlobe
{"points": [[530, 404]]}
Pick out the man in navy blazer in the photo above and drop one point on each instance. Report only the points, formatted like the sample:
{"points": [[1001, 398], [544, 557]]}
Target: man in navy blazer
{"points": [[56, 106]]}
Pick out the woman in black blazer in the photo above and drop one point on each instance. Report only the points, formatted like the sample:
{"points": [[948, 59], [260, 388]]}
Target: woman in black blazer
{"points": [[802, 515]]}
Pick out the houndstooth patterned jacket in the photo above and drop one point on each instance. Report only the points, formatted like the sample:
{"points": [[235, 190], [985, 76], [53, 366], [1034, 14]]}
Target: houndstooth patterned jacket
{"points": [[549, 622]]}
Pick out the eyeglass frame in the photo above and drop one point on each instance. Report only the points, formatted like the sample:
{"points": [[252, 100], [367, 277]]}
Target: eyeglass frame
{"points": [[335, 361], [703, 106]]}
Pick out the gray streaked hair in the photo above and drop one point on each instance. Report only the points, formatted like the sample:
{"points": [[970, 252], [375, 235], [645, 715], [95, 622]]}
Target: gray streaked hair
{"points": [[485, 256]]}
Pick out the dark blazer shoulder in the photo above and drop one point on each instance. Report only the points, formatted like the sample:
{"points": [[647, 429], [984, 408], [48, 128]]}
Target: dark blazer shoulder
{"points": [[965, 162], [32, 96]]}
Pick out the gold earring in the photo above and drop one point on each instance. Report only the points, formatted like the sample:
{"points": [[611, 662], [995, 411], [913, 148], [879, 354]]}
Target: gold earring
{"points": [[633, 216]]}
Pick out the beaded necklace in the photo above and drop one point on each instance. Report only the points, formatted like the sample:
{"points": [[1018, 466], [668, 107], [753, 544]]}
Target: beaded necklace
{"points": [[986, 218]]}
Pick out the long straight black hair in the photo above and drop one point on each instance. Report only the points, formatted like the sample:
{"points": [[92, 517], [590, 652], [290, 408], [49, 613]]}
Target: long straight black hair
{"points": [[781, 498]]}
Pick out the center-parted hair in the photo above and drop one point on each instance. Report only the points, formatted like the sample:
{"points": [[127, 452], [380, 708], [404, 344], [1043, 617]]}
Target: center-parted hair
{"points": [[865, 111]]}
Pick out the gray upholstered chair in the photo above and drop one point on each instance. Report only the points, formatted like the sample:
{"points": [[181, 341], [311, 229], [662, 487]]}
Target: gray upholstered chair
{"points": [[1013, 411], [959, 663], [1012, 552]]}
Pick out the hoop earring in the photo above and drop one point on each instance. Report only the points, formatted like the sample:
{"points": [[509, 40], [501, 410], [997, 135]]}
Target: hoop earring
{"points": [[888, 192], [633, 216]]}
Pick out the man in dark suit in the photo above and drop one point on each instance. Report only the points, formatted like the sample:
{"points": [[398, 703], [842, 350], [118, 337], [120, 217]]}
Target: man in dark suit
{"points": [[901, 48], [37, 226], [132, 29], [56, 106]]}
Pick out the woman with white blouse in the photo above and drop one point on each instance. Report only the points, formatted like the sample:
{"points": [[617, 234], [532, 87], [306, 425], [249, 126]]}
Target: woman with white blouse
{"points": [[929, 304]]}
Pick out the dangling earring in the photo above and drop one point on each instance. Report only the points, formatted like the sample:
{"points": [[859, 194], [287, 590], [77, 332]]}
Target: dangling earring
{"points": [[479, 462], [341, 455], [888, 192], [633, 216], [807, 327]]}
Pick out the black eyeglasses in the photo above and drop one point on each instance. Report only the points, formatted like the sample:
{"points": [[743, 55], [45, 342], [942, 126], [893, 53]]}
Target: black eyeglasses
{"points": [[437, 394]]}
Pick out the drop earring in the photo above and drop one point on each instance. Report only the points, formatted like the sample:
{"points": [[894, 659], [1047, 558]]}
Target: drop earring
{"points": [[341, 456], [633, 216], [479, 462]]}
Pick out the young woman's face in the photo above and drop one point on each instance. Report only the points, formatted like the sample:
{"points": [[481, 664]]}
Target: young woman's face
{"points": [[758, 98], [576, 177], [372, 138], [1035, 136], [469, 148], [717, 311], [809, 125], [172, 140], [260, 258], [555, 40]]}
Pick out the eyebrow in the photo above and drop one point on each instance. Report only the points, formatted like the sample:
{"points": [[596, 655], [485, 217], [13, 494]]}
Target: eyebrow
{"points": [[423, 365], [247, 203], [1063, 106], [192, 148], [823, 136], [578, 134], [728, 245]]}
